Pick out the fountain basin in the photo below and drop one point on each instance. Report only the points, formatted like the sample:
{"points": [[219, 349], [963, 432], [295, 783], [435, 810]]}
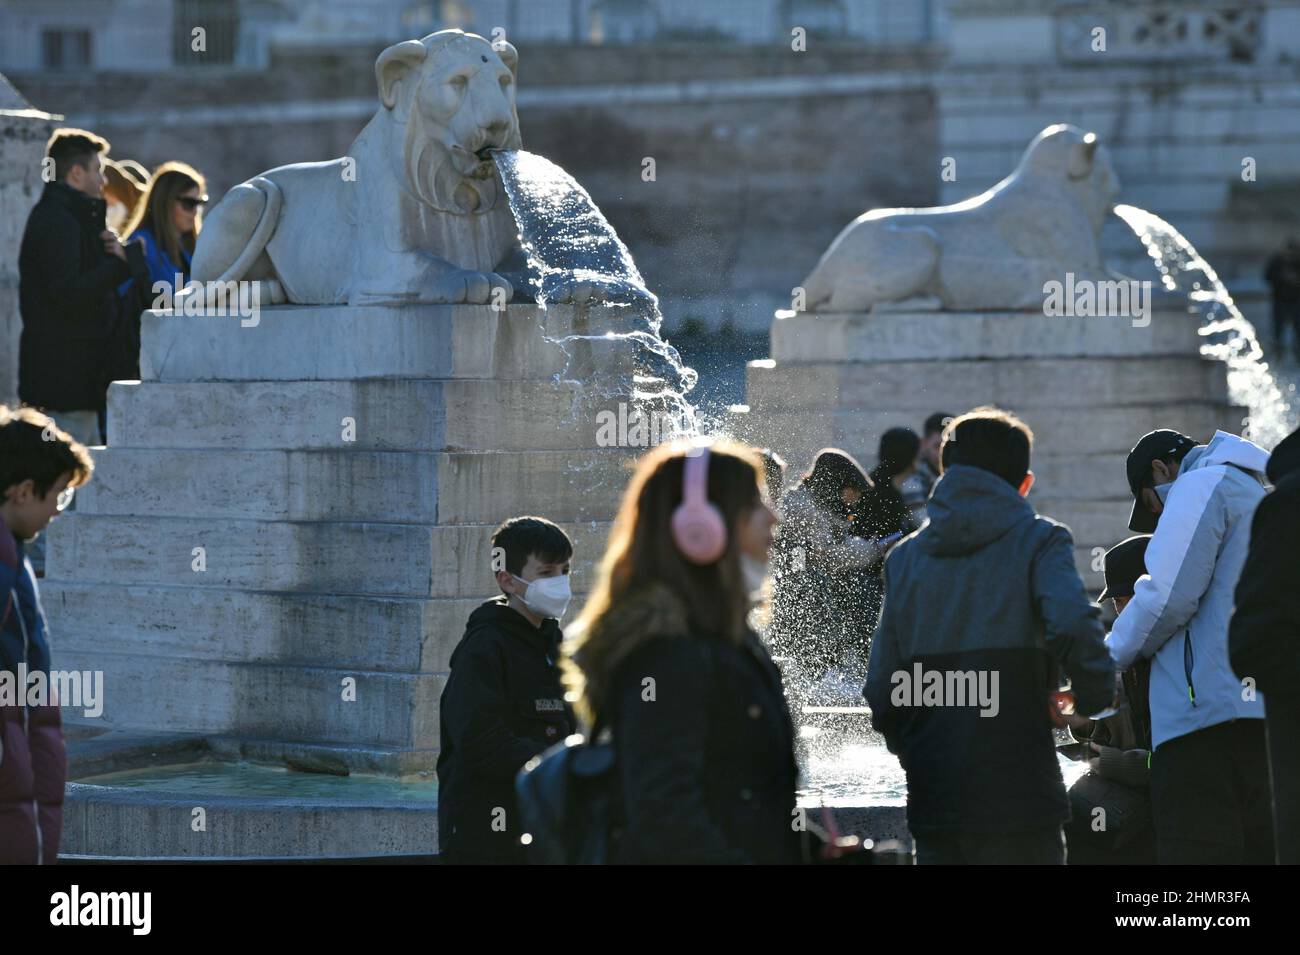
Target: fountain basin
{"points": [[133, 798]]}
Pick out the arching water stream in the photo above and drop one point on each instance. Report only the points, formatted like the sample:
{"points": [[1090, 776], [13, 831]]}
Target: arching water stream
{"points": [[1229, 337], [574, 253]]}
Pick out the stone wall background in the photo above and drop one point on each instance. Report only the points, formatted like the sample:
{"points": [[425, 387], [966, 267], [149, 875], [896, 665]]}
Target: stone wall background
{"points": [[23, 134], [763, 154]]}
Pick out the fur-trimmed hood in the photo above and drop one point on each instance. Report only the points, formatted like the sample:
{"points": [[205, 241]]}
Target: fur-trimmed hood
{"points": [[592, 658]]}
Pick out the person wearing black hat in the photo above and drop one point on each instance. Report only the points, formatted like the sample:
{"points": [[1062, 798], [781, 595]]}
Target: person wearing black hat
{"points": [[1197, 500], [1117, 748], [1264, 638], [1152, 467]]}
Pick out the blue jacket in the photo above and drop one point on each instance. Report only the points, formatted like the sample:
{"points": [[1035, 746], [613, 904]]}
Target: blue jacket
{"points": [[985, 597], [16, 578], [1181, 608], [161, 266], [33, 758]]}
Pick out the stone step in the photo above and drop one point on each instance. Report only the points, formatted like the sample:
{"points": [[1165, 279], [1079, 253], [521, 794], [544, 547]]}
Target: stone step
{"points": [[886, 336], [347, 485], [799, 435], [116, 823], [313, 342], [388, 634], [401, 634], [362, 415], [1023, 384], [408, 560], [191, 695]]}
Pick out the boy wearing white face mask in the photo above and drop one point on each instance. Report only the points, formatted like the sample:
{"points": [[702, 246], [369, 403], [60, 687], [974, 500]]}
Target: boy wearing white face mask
{"points": [[503, 702]]}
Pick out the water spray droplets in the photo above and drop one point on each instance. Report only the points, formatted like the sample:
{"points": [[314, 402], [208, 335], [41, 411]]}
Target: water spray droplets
{"points": [[1228, 336], [575, 254]]}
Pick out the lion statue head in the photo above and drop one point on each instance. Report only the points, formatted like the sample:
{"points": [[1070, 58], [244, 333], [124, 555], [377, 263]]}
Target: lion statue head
{"points": [[452, 98], [1065, 153]]}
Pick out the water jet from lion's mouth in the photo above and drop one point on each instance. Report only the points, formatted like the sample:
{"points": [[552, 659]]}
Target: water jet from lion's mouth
{"points": [[570, 244]]}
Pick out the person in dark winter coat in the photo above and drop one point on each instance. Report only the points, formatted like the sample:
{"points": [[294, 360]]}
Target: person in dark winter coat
{"points": [[1117, 748], [503, 702], [39, 467], [883, 515], [1264, 635], [662, 658], [69, 267], [982, 605]]}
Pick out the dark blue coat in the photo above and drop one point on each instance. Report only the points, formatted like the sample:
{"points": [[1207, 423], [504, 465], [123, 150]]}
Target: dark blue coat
{"points": [[989, 588]]}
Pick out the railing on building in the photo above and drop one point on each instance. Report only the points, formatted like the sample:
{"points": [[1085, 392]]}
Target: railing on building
{"points": [[1159, 31]]}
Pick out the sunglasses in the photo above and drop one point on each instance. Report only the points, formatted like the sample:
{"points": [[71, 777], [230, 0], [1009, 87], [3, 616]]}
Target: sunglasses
{"points": [[191, 202]]}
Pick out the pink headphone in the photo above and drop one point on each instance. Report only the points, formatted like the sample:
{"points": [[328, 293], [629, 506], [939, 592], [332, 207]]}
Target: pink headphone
{"points": [[698, 528]]}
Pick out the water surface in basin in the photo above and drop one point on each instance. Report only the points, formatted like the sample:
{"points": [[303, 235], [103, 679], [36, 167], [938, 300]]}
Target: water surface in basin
{"points": [[844, 771], [216, 778]]}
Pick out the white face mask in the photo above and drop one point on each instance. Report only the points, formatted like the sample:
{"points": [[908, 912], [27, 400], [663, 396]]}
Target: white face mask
{"points": [[754, 574], [546, 596], [1162, 491]]}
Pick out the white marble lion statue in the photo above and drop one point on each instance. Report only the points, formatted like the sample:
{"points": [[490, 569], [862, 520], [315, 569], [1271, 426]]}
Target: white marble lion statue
{"points": [[993, 251], [415, 212]]}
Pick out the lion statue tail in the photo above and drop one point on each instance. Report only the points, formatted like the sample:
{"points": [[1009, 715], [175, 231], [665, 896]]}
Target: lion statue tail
{"points": [[262, 233]]}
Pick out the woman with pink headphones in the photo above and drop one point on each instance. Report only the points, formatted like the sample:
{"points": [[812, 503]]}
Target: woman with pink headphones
{"points": [[662, 657]]}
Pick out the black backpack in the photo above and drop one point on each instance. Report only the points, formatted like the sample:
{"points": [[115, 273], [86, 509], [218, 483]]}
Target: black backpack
{"points": [[569, 802]]}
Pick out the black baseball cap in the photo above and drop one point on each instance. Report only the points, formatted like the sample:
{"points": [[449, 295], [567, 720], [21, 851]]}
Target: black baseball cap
{"points": [[1155, 446], [1125, 563]]}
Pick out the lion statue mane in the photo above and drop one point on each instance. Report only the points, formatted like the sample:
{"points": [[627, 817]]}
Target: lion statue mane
{"points": [[415, 212]]}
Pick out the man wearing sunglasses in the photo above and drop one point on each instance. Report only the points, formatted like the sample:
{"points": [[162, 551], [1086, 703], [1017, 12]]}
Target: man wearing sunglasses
{"points": [[1209, 771]]}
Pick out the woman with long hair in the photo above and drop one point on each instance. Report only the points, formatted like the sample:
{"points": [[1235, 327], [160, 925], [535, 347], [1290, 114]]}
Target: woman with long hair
{"points": [[125, 183], [168, 221], [662, 657], [818, 622]]}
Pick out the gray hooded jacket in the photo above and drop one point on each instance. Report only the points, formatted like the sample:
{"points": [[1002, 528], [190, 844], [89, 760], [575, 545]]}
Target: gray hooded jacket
{"points": [[986, 590]]}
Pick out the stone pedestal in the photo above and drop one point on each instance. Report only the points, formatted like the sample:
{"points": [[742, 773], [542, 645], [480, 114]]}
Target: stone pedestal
{"points": [[23, 134], [289, 504], [1088, 387]]}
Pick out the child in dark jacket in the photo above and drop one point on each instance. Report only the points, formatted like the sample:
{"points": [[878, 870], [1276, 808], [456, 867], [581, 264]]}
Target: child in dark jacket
{"points": [[503, 703], [1117, 749], [981, 607], [39, 467]]}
